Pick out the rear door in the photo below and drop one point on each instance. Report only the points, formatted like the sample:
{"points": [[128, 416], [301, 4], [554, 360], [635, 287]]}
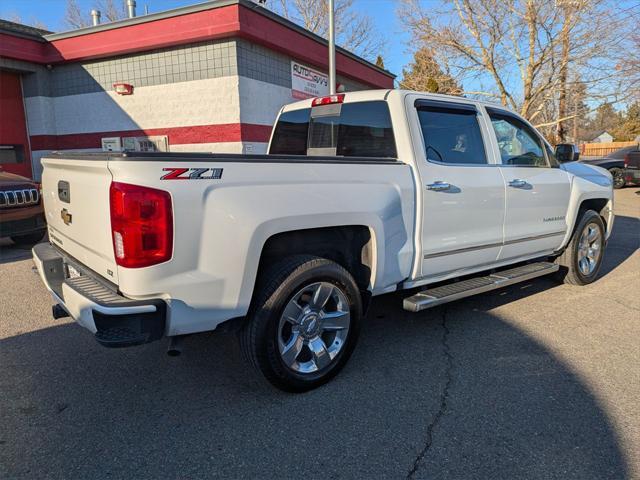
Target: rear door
{"points": [[537, 191], [76, 201], [463, 194]]}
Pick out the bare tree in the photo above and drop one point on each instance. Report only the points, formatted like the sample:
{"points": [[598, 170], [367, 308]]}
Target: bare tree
{"points": [[112, 10], [33, 22], [74, 17], [354, 31], [524, 49]]}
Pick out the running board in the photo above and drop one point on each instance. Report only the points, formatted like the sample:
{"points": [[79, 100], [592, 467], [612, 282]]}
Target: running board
{"points": [[457, 290]]}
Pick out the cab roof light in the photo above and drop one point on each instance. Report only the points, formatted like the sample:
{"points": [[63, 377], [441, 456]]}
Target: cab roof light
{"points": [[328, 100]]}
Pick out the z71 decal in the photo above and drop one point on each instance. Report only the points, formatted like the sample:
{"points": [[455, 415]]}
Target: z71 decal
{"points": [[192, 174]]}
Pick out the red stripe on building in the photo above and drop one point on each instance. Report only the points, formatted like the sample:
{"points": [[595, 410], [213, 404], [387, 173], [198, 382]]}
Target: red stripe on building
{"points": [[194, 27], [263, 30], [221, 22], [228, 132], [26, 49]]}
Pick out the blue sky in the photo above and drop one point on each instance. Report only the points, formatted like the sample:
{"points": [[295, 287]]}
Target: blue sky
{"points": [[51, 13]]}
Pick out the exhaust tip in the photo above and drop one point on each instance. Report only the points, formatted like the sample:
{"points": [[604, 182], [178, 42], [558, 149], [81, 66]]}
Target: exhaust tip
{"points": [[175, 346]]}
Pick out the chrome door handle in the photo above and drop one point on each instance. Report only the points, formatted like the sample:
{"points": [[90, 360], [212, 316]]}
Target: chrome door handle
{"points": [[517, 183], [438, 186]]}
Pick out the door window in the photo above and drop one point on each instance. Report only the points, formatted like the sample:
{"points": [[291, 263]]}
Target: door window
{"points": [[518, 143], [452, 135]]}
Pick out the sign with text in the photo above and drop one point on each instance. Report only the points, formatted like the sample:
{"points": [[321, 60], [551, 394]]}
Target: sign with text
{"points": [[307, 82]]}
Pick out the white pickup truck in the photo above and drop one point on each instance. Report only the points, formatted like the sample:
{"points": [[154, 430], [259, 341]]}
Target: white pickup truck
{"points": [[361, 194]]}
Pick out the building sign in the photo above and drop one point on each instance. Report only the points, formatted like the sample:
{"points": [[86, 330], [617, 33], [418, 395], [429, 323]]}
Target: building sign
{"points": [[111, 144], [156, 143], [307, 82]]}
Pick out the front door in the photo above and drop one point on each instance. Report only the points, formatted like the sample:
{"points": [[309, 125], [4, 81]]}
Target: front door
{"points": [[537, 192], [463, 195]]}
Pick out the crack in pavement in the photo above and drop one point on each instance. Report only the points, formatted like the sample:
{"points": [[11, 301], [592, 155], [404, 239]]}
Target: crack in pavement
{"points": [[444, 395]]}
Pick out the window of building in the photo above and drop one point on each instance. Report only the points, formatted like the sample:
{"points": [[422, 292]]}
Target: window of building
{"points": [[451, 135], [11, 154]]}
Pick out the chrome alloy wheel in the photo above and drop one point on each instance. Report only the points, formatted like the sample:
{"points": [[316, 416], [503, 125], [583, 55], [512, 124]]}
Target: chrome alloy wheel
{"points": [[313, 327], [589, 249]]}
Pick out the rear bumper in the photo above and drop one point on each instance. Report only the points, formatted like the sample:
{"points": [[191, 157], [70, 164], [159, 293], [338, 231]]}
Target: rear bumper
{"points": [[633, 175], [116, 321]]}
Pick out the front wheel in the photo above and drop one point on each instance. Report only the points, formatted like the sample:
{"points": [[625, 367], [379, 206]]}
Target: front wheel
{"points": [[582, 259], [303, 323], [618, 178]]}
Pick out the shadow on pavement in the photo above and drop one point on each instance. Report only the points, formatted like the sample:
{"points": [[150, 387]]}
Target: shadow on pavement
{"points": [[498, 404], [453, 392]]}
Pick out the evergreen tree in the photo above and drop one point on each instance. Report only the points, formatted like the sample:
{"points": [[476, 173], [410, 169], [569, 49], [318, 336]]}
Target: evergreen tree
{"points": [[426, 75]]}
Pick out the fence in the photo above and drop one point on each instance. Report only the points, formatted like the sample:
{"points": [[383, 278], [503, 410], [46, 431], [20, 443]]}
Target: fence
{"points": [[602, 149]]}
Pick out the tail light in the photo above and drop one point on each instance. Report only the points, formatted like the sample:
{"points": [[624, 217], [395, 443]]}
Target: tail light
{"points": [[339, 98], [626, 161], [141, 225]]}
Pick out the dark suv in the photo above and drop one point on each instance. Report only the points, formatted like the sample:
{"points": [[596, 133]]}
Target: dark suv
{"points": [[623, 164], [21, 212]]}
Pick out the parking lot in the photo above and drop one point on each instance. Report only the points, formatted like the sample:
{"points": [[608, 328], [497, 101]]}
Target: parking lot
{"points": [[538, 380]]}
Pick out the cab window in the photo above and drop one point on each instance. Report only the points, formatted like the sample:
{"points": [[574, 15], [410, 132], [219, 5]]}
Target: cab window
{"points": [[519, 145], [451, 134]]}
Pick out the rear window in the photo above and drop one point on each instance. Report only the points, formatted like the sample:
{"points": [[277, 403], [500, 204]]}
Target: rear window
{"points": [[360, 129], [290, 136]]}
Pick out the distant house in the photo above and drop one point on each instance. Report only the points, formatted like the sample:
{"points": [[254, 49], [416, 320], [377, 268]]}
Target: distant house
{"points": [[602, 137]]}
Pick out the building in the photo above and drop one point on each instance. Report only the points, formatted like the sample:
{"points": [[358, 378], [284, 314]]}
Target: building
{"points": [[602, 137], [209, 78]]}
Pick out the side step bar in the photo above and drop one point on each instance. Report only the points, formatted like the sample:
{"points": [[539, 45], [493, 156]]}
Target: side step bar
{"points": [[457, 290]]}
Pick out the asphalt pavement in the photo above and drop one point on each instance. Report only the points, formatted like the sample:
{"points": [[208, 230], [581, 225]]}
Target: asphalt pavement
{"points": [[536, 381]]}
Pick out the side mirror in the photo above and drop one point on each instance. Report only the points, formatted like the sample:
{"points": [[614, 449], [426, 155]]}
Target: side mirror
{"points": [[567, 152]]}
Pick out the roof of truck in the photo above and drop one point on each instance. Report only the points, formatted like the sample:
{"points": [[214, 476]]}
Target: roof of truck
{"points": [[384, 94]]}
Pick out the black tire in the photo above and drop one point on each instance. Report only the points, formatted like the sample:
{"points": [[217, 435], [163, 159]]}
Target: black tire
{"points": [[28, 239], [618, 178], [274, 290], [570, 272]]}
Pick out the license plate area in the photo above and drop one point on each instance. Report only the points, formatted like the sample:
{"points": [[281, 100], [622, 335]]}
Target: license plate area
{"points": [[71, 271]]}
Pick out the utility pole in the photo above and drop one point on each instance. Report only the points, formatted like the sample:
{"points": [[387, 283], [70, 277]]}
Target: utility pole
{"points": [[332, 49]]}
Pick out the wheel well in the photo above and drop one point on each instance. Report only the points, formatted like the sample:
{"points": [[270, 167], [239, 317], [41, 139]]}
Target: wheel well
{"points": [[348, 246], [595, 204]]}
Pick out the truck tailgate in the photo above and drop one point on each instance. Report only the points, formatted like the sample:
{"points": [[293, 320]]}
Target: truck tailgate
{"points": [[76, 202]]}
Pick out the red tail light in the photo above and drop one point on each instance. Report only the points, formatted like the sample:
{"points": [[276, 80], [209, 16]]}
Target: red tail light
{"points": [[626, 161], [339, 98], [141, 225]]}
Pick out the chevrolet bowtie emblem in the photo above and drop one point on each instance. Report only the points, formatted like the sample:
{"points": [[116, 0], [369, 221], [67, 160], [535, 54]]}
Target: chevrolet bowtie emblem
{"points": [[65, 216]]}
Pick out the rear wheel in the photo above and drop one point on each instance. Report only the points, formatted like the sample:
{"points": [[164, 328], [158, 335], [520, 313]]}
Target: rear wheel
{"points": [[618, 177], [582, 259], [303, 324], [28, 239]]}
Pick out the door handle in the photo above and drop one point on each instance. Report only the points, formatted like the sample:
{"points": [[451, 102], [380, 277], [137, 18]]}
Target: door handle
{"points": [[438, 186], [517, 183]]}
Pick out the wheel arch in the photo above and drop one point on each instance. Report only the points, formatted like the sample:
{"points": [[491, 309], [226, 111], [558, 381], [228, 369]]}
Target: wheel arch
{"points": [[354, 247]]}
